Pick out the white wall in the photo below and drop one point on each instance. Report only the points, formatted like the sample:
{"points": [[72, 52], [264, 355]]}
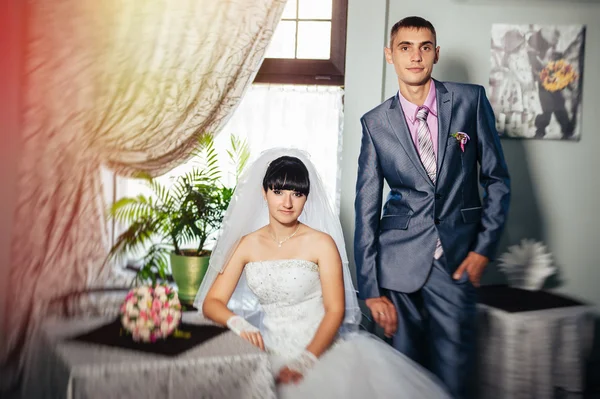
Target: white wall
{"points": [[10, 37], [555, 183]]}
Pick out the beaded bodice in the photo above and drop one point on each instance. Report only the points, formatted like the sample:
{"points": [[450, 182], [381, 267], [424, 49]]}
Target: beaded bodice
{"points": [[290, 294]]}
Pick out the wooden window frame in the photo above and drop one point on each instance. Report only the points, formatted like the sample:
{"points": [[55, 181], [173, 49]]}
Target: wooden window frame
{"points": [[305, 71]]}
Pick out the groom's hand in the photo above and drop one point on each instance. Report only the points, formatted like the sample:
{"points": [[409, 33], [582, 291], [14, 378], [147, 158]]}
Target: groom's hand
{"points": [[384, 314], [473, 265]]}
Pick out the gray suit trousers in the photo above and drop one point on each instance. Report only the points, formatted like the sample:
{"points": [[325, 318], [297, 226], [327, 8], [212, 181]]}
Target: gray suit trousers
{"points": [[437, 325]]}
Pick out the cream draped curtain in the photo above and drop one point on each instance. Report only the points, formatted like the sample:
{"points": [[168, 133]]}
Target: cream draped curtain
{"points": [[129, 84]]}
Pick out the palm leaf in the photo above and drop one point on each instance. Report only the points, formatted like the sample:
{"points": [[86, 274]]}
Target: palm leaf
{"points": [[129, 210], [162, 193], [207, 156], [133, 240], [239, 154], [188, 212]]}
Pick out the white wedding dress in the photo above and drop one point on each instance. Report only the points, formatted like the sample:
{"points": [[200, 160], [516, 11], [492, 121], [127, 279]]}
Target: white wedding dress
{"points": [[356, 366]]}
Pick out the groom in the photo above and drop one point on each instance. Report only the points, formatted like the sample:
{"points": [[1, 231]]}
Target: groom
{"points": [[419, 262]]}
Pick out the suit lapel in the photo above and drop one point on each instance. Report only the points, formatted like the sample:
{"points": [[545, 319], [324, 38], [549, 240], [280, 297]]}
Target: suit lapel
{"points": [[444, 105], [400, 128]]}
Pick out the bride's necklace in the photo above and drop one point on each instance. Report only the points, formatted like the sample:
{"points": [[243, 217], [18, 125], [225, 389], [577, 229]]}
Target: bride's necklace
{"points": [[279, 243]]}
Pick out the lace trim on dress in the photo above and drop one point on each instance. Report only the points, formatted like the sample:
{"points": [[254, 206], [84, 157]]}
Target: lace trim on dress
{"points": [[288, 263]]}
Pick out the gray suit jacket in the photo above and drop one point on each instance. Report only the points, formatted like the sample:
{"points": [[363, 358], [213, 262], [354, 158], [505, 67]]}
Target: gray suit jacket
{"points": [[395, 250]]}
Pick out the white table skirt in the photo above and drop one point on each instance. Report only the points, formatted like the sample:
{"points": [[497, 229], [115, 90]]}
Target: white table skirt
{"points": [[530, 354], [223, 367]]}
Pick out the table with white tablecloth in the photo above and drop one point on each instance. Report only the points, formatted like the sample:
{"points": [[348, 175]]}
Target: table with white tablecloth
{"points": [[531, 343], [223, 367]]}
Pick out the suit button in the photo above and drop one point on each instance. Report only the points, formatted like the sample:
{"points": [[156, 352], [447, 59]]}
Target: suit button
{"points": [[438, 196], [437, 221]]}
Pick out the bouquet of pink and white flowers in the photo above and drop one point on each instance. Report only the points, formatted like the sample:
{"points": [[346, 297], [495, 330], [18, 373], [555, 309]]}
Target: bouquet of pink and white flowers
{"points": [[150, 313]]}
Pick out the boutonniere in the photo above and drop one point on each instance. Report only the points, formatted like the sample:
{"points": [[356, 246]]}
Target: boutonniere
{"points": [[462, 138]]}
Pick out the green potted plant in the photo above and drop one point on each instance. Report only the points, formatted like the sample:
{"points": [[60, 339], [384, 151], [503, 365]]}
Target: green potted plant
{"points": [[175, 224]]}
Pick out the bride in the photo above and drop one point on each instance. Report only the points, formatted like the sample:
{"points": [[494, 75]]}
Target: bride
{"points": [[279, 278]]}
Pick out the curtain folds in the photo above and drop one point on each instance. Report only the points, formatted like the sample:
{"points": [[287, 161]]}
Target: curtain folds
{"points": [[130, 84]]}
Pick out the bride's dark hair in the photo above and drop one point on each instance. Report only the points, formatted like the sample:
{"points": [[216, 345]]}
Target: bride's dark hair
{"points": [[287, 173]]}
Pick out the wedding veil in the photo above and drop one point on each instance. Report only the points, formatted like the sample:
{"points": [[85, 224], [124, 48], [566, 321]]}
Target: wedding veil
{"points": [[247, 212]]}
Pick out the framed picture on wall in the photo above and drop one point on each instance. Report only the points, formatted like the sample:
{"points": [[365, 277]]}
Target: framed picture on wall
{"points": [[536, 80]]}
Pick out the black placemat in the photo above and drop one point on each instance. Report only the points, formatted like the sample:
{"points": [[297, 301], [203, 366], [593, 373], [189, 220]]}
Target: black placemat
{"points": [[515, 300], [186, 337]]}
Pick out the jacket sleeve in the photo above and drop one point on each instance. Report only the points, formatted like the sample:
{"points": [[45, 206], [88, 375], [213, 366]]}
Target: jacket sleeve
{"points": [[493, 177], [367, 207]]}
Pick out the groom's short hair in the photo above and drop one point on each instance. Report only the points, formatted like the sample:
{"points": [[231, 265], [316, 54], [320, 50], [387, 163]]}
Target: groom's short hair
{"points": [[411, 23]]}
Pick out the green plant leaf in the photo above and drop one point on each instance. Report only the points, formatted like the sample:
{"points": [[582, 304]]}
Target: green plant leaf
{"points": [[187, 213], [239, 154]]}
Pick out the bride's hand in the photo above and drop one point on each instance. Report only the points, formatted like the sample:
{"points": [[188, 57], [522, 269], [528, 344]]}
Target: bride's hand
{"points": [[295, 369], [244, 329], [254, 338], [287, 375]]}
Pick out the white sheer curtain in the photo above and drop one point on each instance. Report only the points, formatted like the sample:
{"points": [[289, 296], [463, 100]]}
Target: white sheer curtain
{"points": [[304, 117]]}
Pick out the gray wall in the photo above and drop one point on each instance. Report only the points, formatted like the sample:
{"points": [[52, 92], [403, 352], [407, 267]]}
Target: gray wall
{"points": [[10, 37], [555, 184]]}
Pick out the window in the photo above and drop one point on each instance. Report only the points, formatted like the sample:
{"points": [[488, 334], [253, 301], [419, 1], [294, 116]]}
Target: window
{"points": [[305, 117], [309, 44], [296, 101]]}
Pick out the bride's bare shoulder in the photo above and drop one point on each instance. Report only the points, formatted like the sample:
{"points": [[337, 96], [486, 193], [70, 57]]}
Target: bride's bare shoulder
{"points": [[255, 237], [250, 244], [316, 235]]}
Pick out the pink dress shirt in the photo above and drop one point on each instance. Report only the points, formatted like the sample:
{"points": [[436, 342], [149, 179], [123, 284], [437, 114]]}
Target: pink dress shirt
{"points": [[410, 112]]}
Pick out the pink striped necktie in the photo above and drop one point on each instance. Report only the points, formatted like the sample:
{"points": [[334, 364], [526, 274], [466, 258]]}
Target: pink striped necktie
{"points": [[427, 156]]}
